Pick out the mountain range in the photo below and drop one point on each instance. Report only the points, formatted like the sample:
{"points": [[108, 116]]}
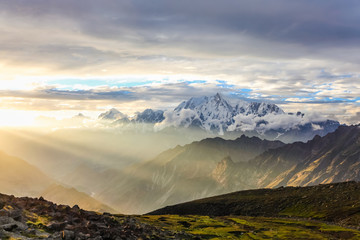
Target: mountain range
{"points": [[216, 166], [217, 115], [178, 174]]}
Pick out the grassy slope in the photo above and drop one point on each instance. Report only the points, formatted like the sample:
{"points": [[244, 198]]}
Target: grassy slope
{"points": [[235, 227], [338, 203]]}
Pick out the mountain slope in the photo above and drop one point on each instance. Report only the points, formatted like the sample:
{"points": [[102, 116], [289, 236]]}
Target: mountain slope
{"points": [[180, 174], [70, 196], [112, 114], [337, 203], [149, 116], [333, 158], [19, 178], [216, 166]]}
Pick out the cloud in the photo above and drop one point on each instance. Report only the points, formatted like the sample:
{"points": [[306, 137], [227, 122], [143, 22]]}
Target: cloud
{"points": [[355, 119], [293, 53], [273, 121], [176, 119], [74, 35]]}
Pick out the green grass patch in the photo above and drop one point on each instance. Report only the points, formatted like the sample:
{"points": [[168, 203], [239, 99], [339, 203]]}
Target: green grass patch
{"points": [[239, 227]]}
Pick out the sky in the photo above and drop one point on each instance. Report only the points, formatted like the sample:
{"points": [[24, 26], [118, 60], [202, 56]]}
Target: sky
{"points": [[62, 57]]}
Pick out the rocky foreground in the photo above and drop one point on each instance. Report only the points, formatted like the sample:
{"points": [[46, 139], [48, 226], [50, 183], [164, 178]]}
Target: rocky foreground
{"points": [[32, 218]]}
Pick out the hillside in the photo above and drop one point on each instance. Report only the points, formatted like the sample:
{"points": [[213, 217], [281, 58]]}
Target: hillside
{"points": [[332, 158], [338, 203], [329, 159], [19, 178], [70, 196], [180, 174]]}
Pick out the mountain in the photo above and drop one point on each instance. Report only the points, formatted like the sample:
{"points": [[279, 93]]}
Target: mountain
{"points": [[216, 114], [70, 196], [112, 114], [19, 178], [179, 174], [264, 120], [220, 116], [336, 203], [333, 158], [149, 116], [215, 166]]}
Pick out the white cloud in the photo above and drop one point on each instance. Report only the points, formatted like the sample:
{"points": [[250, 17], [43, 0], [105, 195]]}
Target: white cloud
{"points": [[176, 119]]}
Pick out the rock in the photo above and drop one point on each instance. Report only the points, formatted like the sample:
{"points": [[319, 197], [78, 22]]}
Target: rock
{"points": [[76, 220], [68, 235], [57, 226], [21, 226], [9, 227], [83, 236], [16, 214], [2, 234], [97, 238], [57, 235], [94, 217], [6, 220], [76, 207], [4, 212]]}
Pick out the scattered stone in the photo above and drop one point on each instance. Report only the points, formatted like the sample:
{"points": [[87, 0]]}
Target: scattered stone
{"points": [[2, 234], [9, 227], [4, 213], [25, 218], [68, 235], [57, 226]]}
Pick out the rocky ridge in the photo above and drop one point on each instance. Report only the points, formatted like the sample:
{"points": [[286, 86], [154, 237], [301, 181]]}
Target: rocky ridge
{"points": [[36, 218]]}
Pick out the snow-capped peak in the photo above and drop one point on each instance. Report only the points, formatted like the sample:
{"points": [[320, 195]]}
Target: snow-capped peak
{"points": [[150, 116], [215, 113], [112, 114], [208, 112]]}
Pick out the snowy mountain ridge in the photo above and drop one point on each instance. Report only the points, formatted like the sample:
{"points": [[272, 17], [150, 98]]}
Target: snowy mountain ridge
{"points": [[217, 115]]}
